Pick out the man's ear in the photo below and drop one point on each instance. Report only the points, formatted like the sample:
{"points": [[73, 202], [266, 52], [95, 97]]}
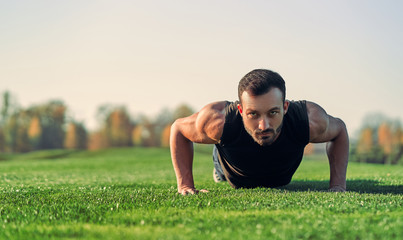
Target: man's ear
{"points": [[239, 108], [286, 105]]}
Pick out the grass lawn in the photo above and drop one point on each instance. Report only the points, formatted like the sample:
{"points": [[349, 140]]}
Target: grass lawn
{"points": [[130, 193]]}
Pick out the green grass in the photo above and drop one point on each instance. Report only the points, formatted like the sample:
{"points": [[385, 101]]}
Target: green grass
{"points": [[131, 194]]}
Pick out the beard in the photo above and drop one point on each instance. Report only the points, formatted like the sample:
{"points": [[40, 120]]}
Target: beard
{"points": [[264, 137]]}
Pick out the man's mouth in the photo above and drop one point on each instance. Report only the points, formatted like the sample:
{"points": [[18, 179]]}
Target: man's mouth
{"points": [[265, 133]]}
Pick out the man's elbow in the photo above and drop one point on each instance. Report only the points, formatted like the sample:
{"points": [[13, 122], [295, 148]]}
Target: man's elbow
{"points": [[179, 131], [342, 125], [174, 131], [176, 126], [341, 129]]}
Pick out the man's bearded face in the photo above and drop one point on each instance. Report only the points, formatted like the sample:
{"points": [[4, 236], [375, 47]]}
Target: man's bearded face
{"points": [[263, 115]]}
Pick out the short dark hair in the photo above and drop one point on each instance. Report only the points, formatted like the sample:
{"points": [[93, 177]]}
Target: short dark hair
{"points": [[260, 81]]}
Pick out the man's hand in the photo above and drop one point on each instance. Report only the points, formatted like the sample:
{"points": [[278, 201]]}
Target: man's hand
{"points": [[325, 128], [206, 127], [337, 188], [187, 190]]}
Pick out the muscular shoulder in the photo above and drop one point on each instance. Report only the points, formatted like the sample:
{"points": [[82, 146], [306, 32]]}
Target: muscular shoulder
{"points": [[205, 126], [322, 127], [318, 121], [211, 119]]}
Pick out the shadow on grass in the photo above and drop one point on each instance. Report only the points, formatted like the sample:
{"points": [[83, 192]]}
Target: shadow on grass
{"points": [[359, 186], [52, 154]]}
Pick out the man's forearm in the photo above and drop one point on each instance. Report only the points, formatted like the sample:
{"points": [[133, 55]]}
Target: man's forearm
{"points": [[182, 158], [338, 153]]}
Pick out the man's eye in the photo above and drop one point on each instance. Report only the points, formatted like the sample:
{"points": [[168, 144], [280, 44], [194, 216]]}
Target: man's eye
{"points": [[273, 113], [252, 115]]}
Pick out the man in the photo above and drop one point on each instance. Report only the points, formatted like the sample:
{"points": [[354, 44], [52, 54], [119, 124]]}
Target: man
{"points": [[259, 141]]}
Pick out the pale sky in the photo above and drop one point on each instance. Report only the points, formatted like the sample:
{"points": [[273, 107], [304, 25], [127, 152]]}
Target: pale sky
{"points": [[347, 56]]}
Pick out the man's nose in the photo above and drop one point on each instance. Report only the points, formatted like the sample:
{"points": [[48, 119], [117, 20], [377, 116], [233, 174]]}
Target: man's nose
{"points": [[264, 123]]}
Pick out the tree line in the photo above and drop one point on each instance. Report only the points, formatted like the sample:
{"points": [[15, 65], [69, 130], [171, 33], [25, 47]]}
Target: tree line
{"points": [[380, 140], [48, 126]]}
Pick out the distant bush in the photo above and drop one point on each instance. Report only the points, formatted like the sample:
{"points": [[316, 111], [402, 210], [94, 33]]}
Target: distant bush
{"points": [[49, 126], [380, 141]]}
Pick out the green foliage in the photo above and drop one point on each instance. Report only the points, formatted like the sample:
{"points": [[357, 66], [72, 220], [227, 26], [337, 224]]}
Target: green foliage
{"points": [[2, 140], [380, 141], [15, 131], [44, 126], [118, 128], [49, 132], [130, 193], [5, 106], [76, 136], [52, 119], [182, 110]]}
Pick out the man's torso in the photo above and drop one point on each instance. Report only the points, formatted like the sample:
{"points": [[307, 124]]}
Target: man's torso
{"points": [[247, 164]]}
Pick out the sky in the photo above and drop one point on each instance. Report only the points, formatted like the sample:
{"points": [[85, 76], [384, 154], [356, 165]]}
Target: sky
{"points": [[347, 56]]}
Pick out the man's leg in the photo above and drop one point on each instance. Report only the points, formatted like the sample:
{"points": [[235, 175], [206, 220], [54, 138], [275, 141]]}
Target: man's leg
{"points": [[218, 174]]}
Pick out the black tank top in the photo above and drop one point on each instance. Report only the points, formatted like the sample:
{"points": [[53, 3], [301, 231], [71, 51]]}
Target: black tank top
{"points": [[246, 164]]}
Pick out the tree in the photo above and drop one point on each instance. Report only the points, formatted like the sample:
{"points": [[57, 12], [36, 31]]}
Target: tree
{"points": [[140, 135], [399, 155], [22, 143], [116, 126], [2, 140], [385, 138], [365, 142], [5, 106], [144, 133], [35, 132], [182, 111], [165, 136], [380, 140], [97, 140], [367, 149], [52, 120], [16, 134], [9, 106], [163, 119], [76, 136]]}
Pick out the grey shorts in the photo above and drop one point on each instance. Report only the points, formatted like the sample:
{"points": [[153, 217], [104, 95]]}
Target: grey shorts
{"points": [[217, 164]]}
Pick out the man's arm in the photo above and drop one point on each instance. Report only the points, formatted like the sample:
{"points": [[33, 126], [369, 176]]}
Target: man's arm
{"points": [[205, 126], [325, 128]]}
